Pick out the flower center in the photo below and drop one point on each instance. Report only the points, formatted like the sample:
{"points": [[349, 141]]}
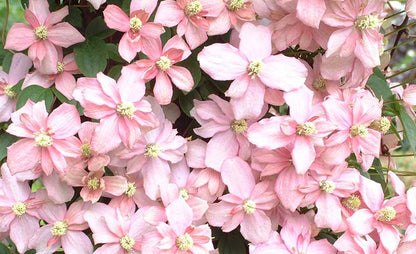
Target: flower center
{"points": [[193, 8], [59, 228], [254, 68], [93, 183], [41, 32], [135, 24], [131, 189], [353, 202], [239, 126], [249, 206], [327, 186], [319, 84], [386, 214], [235, 5], [163, 63], [8, 91], [60, 67], [184, 242], [126, 109], [184, 193], [86, 151], [152, 150], [19, 208], [43, 139], [358, 130], [382, 124], [127, 242], [367, 22], [305, 129]]}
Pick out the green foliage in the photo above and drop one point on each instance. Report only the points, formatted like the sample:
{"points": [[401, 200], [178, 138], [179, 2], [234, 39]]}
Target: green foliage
{"points": [[5, 140], [186, 102], [91, 56], [4, 249], [98, 28], [35, 93]]}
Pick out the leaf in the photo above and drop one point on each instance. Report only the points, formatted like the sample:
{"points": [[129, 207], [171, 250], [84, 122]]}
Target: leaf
{"points": [[91, 56], [7, 61], [4, 249], [98, 28], [193, 66], [377, 82], [63, 99], [37, 185], [74, 17], [409, 128], [35, 93], [377, 175], [232, 243], [5, 141], [186, 102], [115, 72], [113, 54]]}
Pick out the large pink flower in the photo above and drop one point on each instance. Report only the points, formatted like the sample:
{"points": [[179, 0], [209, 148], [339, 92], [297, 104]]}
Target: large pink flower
{"points": [[123, 114], [47, 140], [43, 33], [252, 67]]}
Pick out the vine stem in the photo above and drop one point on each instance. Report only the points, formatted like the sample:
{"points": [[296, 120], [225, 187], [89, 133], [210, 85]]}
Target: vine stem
{"points": [[3, 35]]}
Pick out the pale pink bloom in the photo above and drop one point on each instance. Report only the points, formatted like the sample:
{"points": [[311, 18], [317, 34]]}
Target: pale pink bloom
{"points": [[94, 183], [61, 73], [304, 129], [96, 3], [325, 192], [152, 155], [228, 132], [64, 229], [295, 237], [43, 33], [161, 65], [253, 68], [411, 8], [245, 205], [137, 31], [123, 114], [179, 236], [18, 209], [18, 69], [47, 140], [190, 16], [381, 215], [350, 243], [233, 15], [357, 33], [296, 26], [119, 234], [353, 118], [409, 95], [58, 190]]}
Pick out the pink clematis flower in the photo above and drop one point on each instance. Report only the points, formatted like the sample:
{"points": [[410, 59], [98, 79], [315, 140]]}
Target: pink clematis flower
{"points": [[64, 229], [18, 209], [119, 234], [152, 155], [350, 243], [252, 67], [180, 236], [411, 8], [43, 33], [18, 69], [47, 140], [161, 65], [219, 123], [245, 205], [190, 16], [136, 28], [123, 115], [303, 130]]}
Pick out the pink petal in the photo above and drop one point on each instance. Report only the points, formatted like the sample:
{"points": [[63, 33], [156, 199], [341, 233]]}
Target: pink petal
{"points": [[169, 13], [303, 154], [250, 45], [238, 176], [127, 48], [238, 87], [251, 104], [256, 227], [23, 155], [19, 68], [300, 103], [20, 37], [64, 35], [371, 193], [57, 16], [40, 8], [64, 121], [115, 185], [106, 136], [361, 222], [179, 215], [263, 135], [310, 12], [389, 238], [65, 83], [181, 77], [163, 89], [217, 152], [58, 191], [22, 229], [329, 212], [195, 36], [115, 18], [76, 242]]}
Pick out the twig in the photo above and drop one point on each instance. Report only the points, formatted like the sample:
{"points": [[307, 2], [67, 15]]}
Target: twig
{"points": [[402, 71], [3, 35], [399, 35], [394, 14]]}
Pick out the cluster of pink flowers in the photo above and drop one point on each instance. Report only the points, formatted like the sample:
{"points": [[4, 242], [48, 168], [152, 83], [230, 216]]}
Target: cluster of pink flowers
{"points": [[269, 157]]}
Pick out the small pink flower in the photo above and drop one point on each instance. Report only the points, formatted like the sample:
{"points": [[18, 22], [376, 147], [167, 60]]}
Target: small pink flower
{"points": [[47, 140], [18, 69], [43, 33], [137, 31]]}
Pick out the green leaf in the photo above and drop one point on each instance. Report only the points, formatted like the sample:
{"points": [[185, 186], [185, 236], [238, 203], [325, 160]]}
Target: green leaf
{"points": [[5, 141], [377, 82], [35, 93], [30, 252], [37, 185], [63, 99], [192, 64], [377, 175], [74, 17], [4, 249], [113, 54], [7, 61], [91, 56], [98, 28], [166, 35], [409, 128], [186, 101], [232, 243], [25, 4], [115, 72]]}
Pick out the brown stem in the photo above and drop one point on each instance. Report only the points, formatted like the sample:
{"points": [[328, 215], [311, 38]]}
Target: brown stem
{"points": [[3, 35]]}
